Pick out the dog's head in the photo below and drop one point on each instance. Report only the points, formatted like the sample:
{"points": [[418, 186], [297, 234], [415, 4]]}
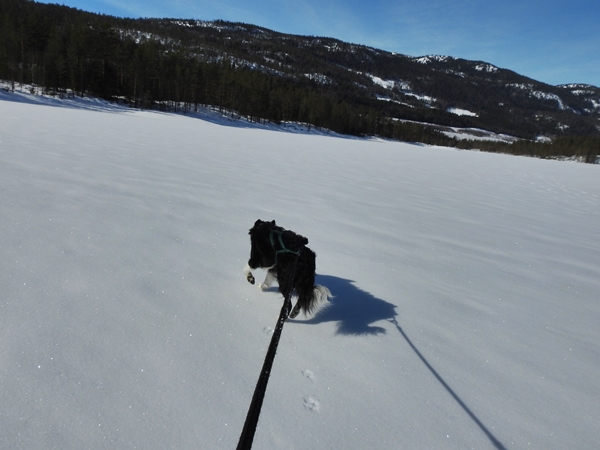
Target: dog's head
{"points": [[263, 231], [262, 225]]}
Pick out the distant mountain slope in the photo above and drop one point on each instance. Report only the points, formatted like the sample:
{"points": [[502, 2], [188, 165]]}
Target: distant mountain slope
{"points": [[425, 88], [266, 75]]}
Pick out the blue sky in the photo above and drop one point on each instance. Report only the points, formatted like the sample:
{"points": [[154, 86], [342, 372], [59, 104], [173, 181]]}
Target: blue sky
{"points": [[554, 41]]}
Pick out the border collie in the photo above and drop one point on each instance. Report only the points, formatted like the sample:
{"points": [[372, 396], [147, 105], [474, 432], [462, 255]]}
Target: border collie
{"points": [[288, 261]]}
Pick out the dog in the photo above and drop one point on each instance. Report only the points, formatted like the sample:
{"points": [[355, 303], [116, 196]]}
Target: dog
{"points": [[289, 262]]}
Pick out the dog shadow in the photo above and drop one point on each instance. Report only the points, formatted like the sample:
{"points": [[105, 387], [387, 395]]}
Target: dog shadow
{"points": [[356, 310], [353, 309]]}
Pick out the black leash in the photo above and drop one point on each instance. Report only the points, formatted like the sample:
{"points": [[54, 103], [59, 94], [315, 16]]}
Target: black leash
{"points": [[247, 436]]}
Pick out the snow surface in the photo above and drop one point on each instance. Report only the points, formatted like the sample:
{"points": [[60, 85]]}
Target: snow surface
{"points": [[466, 311], [476, 134], [462, 112]]}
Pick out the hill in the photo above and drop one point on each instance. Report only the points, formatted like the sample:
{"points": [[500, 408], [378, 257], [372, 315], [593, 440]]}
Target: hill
{"points": [[176, 64]]}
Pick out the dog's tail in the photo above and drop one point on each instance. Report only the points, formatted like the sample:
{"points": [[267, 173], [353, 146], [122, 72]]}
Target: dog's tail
{"points": [[320, 294], [310, 301]]}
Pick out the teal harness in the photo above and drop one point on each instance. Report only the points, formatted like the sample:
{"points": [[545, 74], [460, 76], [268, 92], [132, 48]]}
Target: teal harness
{"points": [[283, 249]]}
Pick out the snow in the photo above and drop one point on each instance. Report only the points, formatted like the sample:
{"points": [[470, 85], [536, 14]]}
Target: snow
{"points": [[466, 311], [462, 112], [431, 58], [476, 134], [547, 96], [526, 87], [424, 98], [484, 67], [319, 78], [386, 84]]}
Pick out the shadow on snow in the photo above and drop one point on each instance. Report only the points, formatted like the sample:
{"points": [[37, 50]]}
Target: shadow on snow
{"points": [[355, 312], [204, 113], [353, 309]]}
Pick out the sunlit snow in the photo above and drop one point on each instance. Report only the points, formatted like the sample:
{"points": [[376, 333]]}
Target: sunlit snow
{"points": [[467, 285], [462, 112]]}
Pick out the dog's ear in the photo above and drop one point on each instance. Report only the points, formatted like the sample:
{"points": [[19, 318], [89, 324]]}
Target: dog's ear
{"points": [[255, 227], [273, 223]]}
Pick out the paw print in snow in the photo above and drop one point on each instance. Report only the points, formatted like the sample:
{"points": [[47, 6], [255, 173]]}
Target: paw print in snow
{"points": [[309, 374], [312, 404]]}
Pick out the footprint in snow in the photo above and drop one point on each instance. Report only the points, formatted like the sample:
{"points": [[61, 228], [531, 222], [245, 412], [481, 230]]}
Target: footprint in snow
{"points": [[309, 374], [312, 404]]}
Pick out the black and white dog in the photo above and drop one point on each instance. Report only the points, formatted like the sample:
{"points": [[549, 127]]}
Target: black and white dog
{"points": [[288, 261]]}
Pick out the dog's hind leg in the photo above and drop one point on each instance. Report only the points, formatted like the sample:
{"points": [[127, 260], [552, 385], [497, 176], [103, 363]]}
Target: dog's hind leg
{"points": [[295, 311], [309, 299], [271, 276]]}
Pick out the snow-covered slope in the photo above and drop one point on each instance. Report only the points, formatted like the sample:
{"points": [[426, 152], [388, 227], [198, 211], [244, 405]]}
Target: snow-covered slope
{"points": [[467, 284]]}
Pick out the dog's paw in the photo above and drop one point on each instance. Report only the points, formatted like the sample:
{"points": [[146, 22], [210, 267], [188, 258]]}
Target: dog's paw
{"points": [[250, 278], [295, 311], [263, 286]]}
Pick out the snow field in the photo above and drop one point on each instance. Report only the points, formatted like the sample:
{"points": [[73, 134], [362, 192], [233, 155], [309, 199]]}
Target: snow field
{"points": [[466, 288]]}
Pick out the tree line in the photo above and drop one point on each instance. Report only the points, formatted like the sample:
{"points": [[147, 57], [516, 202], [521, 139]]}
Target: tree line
{"points": [[582, 148]]}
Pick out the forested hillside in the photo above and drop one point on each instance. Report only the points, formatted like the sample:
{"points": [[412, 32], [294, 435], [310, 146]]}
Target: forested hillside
{"points": [[263, 75]]}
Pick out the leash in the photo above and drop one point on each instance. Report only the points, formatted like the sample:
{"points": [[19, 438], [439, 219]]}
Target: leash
{"points": [[247, 436]]}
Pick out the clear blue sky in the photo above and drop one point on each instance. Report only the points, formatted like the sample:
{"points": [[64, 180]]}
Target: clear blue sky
{"points": [[554, 41]]}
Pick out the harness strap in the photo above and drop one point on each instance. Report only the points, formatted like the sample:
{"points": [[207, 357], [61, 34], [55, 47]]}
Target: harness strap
{"points": [[284, 249]]}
